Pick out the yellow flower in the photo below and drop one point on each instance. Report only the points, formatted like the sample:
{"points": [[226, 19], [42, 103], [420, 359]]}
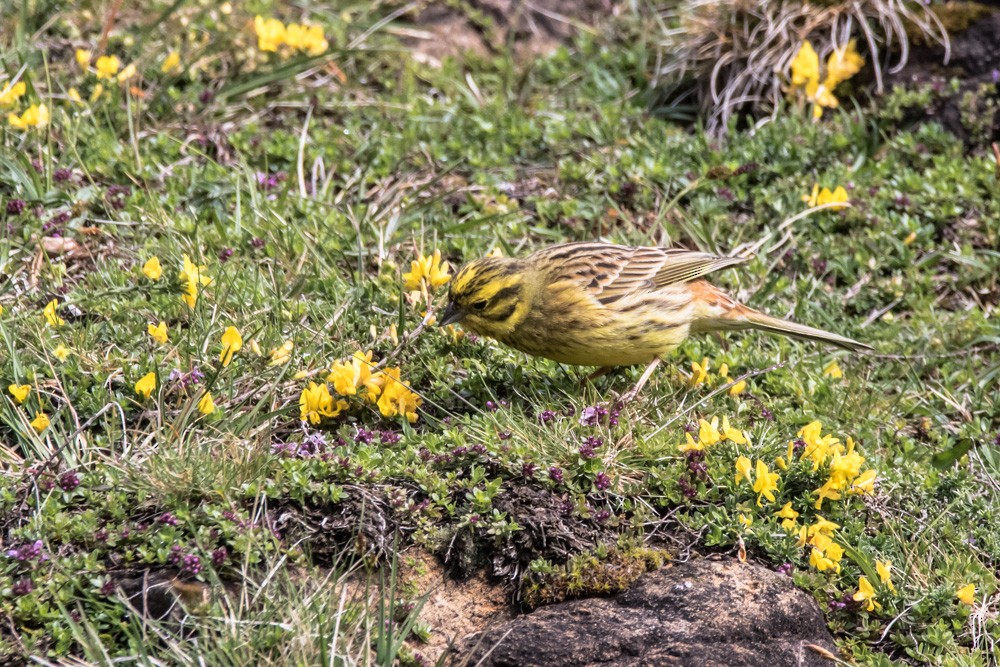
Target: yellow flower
{"points": [[699, 372], [19, 392], [745, 521], [52, 318], [61, 352], [158, 332], [724, 371], [107, 66], [281, 355], [307, 38], [842, 64], [152, 268], [426, 268], [40, 422], [127, 73], [832, 370], [805, 65], [885, 573], [83, 58], [348, 377], [966, 594], [255, 348], [690, 445], [191, 278], [396, 398], [743, 470], [206, 405], [33, 116], [823, 526], [74, 96], [171, 62], [96, 93], [828, 490], [146, 385], [315, 402], [738, 388], [232, 342], [819, 197], [818, 447], [788, 515], [11, 93], [708, 432], [825, 554], [766, 483], [270, 33], [864, 484], [866, 593], [732, 434]]}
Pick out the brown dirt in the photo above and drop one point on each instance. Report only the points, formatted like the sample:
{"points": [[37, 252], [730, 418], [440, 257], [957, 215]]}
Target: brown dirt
{"points": [[484, 27]]}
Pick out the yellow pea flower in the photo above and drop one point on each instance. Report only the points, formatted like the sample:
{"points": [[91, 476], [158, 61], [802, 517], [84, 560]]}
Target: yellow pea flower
{"points": [[699, 372], [52, 318], [40, 422], [83, 58], [744, 469], [864, 484], [866, 593], [966, 594], [171, 62], [884, 570], [745, 521], [158, 332], [61, 352], [708, 432], [766, 483], [805, 65], [74, 96], [146, 385], [833, 370], [152, 268], [306, 38], [788, 515], [33, 116], [107, 66], [732, 434], [429, 269], [127, 73], [738, 388], [19, 392], [842, 64], [397, 398], [281, 355], [232, 342], [690, 445], [270, 33], [192, 277], [11, 93], [315, 402], [96, 93], [206, 405]]}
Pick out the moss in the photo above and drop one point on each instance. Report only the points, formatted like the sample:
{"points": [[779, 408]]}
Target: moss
{"points": [[594, 573]]}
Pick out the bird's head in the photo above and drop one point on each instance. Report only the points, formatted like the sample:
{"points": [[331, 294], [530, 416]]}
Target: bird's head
{"points": [[490, 296]]}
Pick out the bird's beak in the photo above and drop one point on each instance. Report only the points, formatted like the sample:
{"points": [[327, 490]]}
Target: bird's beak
{"points": [[451, 314]]}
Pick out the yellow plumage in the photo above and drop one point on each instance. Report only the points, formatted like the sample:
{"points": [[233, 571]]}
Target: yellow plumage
{"points": [[600, 304]]}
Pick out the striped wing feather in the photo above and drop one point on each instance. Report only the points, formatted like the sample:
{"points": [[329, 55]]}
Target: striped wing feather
{"points": [[610, 272]]}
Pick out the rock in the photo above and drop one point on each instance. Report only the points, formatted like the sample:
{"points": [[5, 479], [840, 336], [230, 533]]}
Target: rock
{"points": [[704, 612]]}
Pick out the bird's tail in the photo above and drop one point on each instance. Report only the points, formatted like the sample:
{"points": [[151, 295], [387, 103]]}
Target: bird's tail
{"points": [[752, 319]]}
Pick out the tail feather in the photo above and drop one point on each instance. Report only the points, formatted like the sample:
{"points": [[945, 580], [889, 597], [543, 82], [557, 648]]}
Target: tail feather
{"points": [[756, 320]]}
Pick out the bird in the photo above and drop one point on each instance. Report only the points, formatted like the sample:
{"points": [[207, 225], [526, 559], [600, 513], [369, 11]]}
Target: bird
{"points": [[607, 305]]}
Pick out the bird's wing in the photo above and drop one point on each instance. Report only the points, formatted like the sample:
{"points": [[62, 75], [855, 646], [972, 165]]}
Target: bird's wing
{"points": [[610, 272]]}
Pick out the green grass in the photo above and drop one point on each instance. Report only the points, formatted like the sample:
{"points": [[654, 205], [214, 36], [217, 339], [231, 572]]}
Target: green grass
{"points": [[397, 161]]}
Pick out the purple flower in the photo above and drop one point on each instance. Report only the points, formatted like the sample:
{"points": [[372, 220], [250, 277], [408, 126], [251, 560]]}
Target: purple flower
{"points": [[108, 588], [62, 174], [491, 406], [15, 206], [28, 552], [528, 469], [225, 254], [591, 415], [101, 535], [602, 481], [69, 481], [602, 516], [785, 568], [478, 450], [220, 556], [167, 519], [995, 75], [258, 242], [556, 474], [546, 416], [389, 437], [504, 435], [116, 195], [191, 563], [268, 182], [22, 587], [363, 435], [589, 447]]}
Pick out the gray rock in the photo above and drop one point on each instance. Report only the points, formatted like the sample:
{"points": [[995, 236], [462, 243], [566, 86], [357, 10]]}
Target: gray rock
{"points": [[704, 612]]}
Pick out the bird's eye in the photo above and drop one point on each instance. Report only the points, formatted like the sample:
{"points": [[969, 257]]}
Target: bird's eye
{"points": [[479, 305]]}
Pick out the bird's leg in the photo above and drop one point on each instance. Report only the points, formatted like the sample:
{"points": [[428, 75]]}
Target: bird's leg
{"points": [[600, 372], [643, 379]]}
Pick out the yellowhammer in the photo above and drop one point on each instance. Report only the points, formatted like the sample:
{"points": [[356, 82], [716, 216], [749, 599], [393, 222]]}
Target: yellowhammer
{"points": [[600, 304]]}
